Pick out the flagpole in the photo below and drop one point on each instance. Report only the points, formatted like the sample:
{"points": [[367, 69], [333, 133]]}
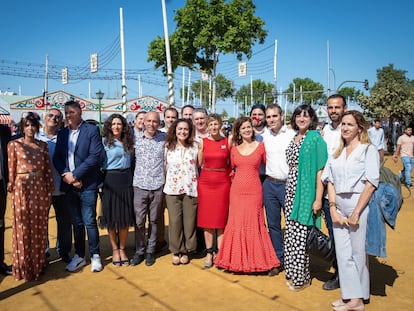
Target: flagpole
{"points": [[124, 88]]}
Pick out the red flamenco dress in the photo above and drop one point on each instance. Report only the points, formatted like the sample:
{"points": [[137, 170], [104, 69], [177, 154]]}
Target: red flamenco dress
{"points": [[246, 245]]}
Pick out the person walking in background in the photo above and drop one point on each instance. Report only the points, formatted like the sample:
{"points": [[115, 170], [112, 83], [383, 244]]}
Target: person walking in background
{"points": [[31, 188], [148, 182], [331, 133], [53, 122], [376, 135], [117, 192], [213, 185], [181, 189], [276, 140], [78, 159], [5, 136], [306, 156], [246, 245], [352, 175], [405, 146]]}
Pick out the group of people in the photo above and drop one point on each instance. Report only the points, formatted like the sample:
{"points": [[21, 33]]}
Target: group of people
{"points": [[214, 188]]}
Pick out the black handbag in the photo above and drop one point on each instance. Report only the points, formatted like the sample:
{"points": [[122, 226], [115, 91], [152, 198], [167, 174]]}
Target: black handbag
{"points": [[320, 245]]}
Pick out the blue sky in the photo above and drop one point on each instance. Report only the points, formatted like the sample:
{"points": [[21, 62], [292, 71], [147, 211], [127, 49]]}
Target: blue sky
{"points": [[363, 36]]}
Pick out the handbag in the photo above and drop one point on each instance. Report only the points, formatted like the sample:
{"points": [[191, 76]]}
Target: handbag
{"points": [[319, 244]]}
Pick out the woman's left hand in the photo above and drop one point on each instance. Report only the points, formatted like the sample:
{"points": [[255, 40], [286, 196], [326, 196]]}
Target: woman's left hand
{"points": [[316, 206], [353, 219]]}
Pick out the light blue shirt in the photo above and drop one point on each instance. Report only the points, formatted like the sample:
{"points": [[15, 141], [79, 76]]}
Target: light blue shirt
{"points": [[51, 143], [116, 157]]}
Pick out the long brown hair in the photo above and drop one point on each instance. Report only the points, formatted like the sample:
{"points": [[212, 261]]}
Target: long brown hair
{"points": [[126, 135], [171, 139]]}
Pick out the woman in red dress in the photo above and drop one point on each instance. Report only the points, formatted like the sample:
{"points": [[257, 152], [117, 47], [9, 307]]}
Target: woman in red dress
{"points": [[246, 245], [213, 185]]}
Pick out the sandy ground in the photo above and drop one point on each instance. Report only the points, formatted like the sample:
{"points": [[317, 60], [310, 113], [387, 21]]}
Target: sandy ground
{"points": [[167, 287]]}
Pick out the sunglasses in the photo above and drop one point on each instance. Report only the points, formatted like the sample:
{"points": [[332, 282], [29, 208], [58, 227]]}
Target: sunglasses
{"points": [[53, 116]]}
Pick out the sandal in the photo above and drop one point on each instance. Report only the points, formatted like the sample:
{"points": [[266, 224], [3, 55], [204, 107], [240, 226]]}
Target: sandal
{"points": [[176, 259], [184, 259], [124, 261], [209, 258], [116, 263]]}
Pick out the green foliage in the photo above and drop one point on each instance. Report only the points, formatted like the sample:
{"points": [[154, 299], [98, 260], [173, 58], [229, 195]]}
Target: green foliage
{"points": [[350, 93], [391, 96], [262, 91], [207, 28], [312, 92]]}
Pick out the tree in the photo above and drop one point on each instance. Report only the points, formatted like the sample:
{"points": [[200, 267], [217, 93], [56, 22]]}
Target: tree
{"points": [[392, 96], [224, 87], [312, 92], [207, 28], [262, 93]]}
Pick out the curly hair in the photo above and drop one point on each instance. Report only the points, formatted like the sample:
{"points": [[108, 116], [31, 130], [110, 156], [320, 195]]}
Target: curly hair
{"points": [[237, 139], [126, 135], [171, 139]]}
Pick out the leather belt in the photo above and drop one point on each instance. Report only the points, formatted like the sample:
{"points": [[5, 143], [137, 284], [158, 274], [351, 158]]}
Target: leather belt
{"points": [[275, 179]]}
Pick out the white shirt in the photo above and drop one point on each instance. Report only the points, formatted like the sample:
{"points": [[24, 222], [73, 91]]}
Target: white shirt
{"points": [[332, 137], [377, 137], [276, 145]]}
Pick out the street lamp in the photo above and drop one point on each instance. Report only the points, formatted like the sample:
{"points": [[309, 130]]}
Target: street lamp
{"points": [[99, 96]]}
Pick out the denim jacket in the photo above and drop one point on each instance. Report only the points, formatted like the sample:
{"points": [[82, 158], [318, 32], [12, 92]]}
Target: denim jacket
{"points": [[383, 208]]}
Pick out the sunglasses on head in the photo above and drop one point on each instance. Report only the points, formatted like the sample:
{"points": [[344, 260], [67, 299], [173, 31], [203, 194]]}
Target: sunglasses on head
{"points": [[53, 116]]}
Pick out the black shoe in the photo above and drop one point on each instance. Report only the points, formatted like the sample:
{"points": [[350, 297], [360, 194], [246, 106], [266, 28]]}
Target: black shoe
{"points": [[275, 271], [5, 269], [137, 259], [332, 284], [150, 260], [65, 258]]}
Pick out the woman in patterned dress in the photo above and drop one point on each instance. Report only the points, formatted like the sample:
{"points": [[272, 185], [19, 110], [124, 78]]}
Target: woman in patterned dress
{"points": [[306, 156], [181, 189], [31, 187]]}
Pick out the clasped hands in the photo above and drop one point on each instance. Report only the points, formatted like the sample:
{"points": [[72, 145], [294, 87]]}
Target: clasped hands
{"points": [[71, 180]]}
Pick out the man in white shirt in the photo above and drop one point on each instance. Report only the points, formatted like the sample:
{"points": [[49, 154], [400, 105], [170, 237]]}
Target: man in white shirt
{"points": [[276, 140], [376, 135], [200, 123], [331, 133], [170, 115]]}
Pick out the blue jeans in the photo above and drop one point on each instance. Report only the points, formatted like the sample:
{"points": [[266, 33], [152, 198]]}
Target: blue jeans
{"points": [[408, 166], [82, 206], [274, 200]]}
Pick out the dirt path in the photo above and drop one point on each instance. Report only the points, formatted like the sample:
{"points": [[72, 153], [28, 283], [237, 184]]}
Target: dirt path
{"points": [[167, 287]]}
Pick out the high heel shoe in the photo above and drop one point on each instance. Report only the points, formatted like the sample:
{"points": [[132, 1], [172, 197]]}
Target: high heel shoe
{"points": [[209, 258], [124, 261], [116, 263]]}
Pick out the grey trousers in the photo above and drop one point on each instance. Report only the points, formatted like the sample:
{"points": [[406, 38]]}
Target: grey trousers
{"points": [[146, 203]]}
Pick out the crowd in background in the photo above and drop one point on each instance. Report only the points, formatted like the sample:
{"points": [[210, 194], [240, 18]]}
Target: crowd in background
{"points": [[225, 196]]}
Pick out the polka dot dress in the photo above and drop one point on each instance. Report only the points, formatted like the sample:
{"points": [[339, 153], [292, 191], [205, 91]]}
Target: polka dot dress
{"points": [[31, 187], [296, 258]]}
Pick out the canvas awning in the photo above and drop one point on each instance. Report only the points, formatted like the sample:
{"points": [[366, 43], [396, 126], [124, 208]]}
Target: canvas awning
{"points": [[5, 119]]}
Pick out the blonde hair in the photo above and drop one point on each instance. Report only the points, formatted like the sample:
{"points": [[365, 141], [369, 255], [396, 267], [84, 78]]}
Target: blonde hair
{"points": [[362, 133]]}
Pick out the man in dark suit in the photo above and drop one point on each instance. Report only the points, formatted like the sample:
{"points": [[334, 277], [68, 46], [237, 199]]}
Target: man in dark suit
{"points": [[78, 159], [5, 135]]}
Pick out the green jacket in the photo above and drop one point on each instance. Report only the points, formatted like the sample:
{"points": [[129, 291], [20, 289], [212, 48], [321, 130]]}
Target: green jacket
{"points": [[313, 155]]}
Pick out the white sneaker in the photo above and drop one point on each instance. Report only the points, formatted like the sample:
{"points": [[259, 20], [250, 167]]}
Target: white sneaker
{"points": [[76, 263], [96, 265]]}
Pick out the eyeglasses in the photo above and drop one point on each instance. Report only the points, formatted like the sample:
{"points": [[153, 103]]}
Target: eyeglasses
{"points": [[53, 116], [30, 114]]}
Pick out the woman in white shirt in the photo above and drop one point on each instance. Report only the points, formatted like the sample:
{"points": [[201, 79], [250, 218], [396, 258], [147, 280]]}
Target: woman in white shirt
{"points": [[352, 175], [181, 189]]}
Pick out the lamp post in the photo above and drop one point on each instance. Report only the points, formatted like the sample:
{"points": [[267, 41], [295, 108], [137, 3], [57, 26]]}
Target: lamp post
{"points": [[99, 96]]}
